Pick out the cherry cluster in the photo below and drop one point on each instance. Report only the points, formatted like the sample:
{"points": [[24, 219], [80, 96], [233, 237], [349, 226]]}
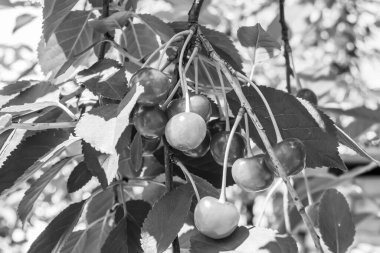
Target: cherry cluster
{"points": [[187, 127]]}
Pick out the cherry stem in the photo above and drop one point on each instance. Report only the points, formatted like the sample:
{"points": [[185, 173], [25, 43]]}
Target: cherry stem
{"points": [[247, 139], [221, 113], [121, 190], [172, 93], [182, 75], [224, 97], [270, 112], [266, 201], [285, 208], [239, 116], [298, 81], [136, 38], [231, 74], [307, 187], [196, 74], [188, 176]]}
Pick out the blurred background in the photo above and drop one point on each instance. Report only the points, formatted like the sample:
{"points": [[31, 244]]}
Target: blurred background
{"points": [[336, 51]]}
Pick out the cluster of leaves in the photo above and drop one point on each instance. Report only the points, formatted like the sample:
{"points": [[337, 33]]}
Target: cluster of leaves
{"points": [[103, 144]]}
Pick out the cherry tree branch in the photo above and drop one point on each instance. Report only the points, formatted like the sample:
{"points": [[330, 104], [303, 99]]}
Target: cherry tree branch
{"points": [[194, 11], [231, 75], [287, 47]]}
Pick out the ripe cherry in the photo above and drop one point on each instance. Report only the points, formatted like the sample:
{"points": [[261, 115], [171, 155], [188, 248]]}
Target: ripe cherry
{"points": [[308, 95], [218, 125], [291, 154], [150, 144], [156, 85], [218, 147], [150, 121], [251, 174], [214, 218], [202, 149], [185, 131], [199, 104]]}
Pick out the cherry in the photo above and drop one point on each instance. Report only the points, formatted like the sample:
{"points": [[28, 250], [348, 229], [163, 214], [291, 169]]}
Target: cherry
{"points": [[198, 104], [219, 143], [291, 154], [202, 149], [185, 131], [156, 85], [214, 218], [251, 174], [218, 125], [308, 95], [150, 144], [150, 121]]}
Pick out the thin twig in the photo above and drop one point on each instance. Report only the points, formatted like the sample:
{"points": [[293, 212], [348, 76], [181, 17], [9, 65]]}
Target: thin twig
{"points": [[39, 126], [194, 12], [285, 208], [287, 49], [105, 13]]}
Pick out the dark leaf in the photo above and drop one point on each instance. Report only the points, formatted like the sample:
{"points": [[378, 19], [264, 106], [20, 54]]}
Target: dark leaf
{"points": [[136, 152], [42, 91], [93, 164], [99, 205], [58, 230], [205, 188], [263, 45], [165, 219], [125, 237], [54, 12], [145, 40], [335, 221], [361, 112], [116, 20], [78, 178], [71, 241], [23, 20], [96, 3], [27, 153], [106, 77], [35, 190], [158, 26], [14, 88], [258, 240], [296, 119]]}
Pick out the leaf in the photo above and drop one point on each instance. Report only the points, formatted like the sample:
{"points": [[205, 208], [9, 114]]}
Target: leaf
{"points": [[263, 45], [78, 178], [137, 152], [145, 38], [158, 26], [309, 125], [71, 37], [89, 240], [23, 20], [71, 241], [27, 153], [165, 219], [97, 127], [125, 237], [221, 43], [93, 164], [54, 12], [44, 91], [361, 112], [258, 240], [27, 108], [99, 205], [116, 20], [5, 121], [106, 77], [350, 143], [14, 88], [35, 190], [56, 154], [335, 221], [56, 233], [205, 188]]}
